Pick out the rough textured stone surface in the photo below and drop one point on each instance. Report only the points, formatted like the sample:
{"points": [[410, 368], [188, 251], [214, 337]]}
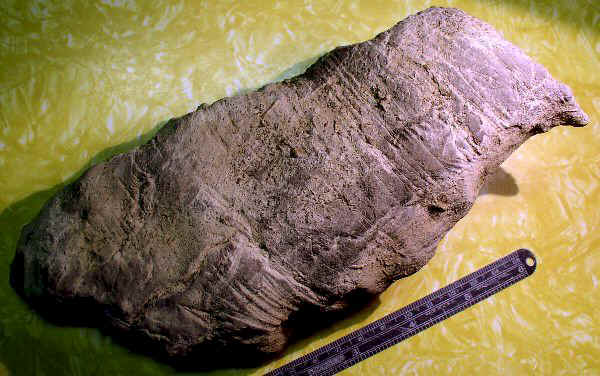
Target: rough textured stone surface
{"points": [[241, 220]]}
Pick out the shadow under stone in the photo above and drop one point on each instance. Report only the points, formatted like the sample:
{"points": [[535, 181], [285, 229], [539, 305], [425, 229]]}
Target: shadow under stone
{"points": [[500, 183]]}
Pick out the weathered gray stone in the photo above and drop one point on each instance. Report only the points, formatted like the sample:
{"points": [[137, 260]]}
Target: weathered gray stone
{"points": [[244, 218]]}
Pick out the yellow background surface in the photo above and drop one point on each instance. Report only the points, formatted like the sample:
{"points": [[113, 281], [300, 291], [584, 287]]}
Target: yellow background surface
{"points": [[81, 80]]}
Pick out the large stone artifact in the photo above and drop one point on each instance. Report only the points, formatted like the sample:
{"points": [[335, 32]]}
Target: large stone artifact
{"points": [[242, 220]]}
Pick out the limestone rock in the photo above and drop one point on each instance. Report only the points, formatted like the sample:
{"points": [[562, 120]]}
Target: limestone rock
{"points": [[239, 221]]}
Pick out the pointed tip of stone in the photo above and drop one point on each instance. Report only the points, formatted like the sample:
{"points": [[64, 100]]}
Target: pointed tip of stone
{"points": [[575, 117], [571, 114]]}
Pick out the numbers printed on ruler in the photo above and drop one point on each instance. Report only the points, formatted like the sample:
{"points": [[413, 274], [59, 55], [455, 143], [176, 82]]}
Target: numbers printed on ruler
{"points": [[413, 318]]}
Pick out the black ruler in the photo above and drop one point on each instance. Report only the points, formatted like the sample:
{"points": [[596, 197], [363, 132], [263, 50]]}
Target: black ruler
{"points": [[415, 317]]}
